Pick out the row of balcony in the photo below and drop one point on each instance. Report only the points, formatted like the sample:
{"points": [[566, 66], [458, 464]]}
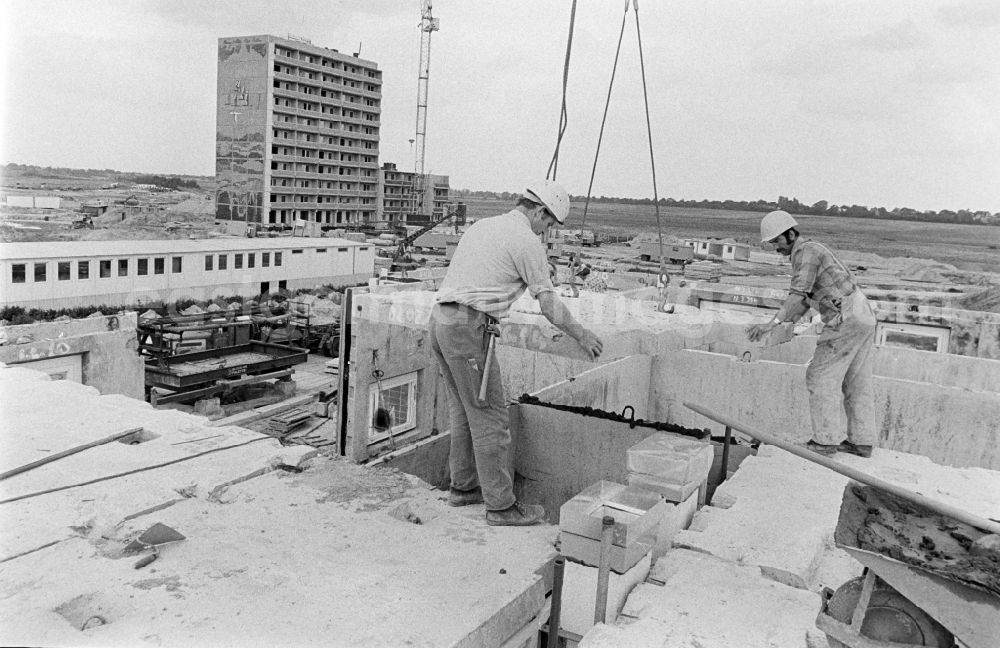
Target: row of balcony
{"points": [[326, 131], [316, 114], [320, 84], [322, 177], [331, 97], [326, 69]]}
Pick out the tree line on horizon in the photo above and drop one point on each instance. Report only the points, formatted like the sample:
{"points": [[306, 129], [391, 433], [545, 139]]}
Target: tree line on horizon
{"points": [[791, 205], [160, 180]]}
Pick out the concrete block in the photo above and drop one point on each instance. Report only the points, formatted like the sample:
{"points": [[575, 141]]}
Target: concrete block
{"points": [[671, 458], [678, 517], [637, 512], [285, 387], [588, 551], [668, 490], [579, 594]]}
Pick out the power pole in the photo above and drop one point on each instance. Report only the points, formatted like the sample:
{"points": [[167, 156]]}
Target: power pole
{"points": [[428, 24]]}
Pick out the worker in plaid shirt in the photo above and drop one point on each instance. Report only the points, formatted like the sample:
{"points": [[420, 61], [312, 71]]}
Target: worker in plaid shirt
{"points": [[839, 377]]}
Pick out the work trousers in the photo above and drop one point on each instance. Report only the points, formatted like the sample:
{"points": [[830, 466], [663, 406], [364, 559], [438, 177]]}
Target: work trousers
{"points": [[480, 432], [839, 377]]}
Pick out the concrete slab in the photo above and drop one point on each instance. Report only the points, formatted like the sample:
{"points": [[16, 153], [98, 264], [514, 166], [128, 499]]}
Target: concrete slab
{"points": [[330, 555], [588, 551], [709, 603], [677, 518], [669, 491], [579, 594], [778, 511]]}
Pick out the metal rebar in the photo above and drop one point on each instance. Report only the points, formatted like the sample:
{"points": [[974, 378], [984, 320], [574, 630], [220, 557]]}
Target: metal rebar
{"points": [[604, 569], [725, 454], [555, 608]]}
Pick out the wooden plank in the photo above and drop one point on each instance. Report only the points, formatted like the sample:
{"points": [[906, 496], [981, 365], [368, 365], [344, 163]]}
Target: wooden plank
{"points": [[71, 451]]}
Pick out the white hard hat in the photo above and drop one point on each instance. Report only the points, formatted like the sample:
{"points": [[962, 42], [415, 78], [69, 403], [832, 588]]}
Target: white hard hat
{"points": [[775, 224], [552, 196]]}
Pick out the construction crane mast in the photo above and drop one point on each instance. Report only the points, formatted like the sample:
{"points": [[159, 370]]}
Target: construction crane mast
{"points": [[428, 24]]}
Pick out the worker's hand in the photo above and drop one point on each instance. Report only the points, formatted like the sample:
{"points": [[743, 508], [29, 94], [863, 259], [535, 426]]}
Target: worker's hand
{"points": [[757, 331], [591, 344]]}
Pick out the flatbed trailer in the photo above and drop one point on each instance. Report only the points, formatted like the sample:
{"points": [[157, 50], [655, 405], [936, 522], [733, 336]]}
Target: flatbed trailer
{"points": [[204, 374]]}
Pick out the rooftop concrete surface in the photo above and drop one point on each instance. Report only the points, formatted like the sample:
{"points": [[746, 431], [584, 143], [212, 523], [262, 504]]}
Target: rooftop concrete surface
{"points": [[337, 554]]}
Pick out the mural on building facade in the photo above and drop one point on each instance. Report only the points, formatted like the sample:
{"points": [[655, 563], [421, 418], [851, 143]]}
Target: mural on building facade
{"points": [[241, 123]]}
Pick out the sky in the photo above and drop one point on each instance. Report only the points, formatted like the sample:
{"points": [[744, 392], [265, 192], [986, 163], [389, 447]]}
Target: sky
{"points": [[889, 103]]}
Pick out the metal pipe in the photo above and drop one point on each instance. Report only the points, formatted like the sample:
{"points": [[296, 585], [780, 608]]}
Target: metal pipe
{"points": [[555, 608], [971, 519], [604, 569], [725, 454]]}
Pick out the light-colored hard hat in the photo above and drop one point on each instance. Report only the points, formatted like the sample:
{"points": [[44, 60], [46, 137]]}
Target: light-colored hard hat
{"points": [[550, 194], [775, 224]]}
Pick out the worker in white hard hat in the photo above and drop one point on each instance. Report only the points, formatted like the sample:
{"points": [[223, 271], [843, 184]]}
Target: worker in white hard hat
{"points": [[839, 377], [496, 260]]}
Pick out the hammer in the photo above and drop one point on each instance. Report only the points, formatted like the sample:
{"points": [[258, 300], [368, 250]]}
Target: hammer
{"points": [[492, 331]]}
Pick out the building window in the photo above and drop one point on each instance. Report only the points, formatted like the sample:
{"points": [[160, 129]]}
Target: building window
{"points": [[176, 264], [913, 336], [83, 270], [17, 273], [40, 271], [223, 262], [158, 265], [105, 268], [398, 396], [63, 271], [208, 261], [318, 251], [341, 249], [142, 267], [277, 258], [237, 261], [265, 259], [296, 251], [122, 267], [251, 259]]}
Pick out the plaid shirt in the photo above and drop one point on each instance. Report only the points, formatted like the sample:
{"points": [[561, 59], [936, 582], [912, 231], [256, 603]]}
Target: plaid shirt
{"points": [[818, 276]]}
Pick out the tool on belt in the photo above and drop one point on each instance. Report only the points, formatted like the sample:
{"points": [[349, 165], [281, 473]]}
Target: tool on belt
{"points": [[490, 340]]}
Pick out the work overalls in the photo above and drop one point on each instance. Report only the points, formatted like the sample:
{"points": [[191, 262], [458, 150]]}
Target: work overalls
{"points": [[480, 435], [842, 366]]}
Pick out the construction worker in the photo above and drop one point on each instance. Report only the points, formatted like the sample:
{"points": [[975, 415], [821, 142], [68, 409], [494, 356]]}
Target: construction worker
{"points": [[839, 377], [497, 259]]}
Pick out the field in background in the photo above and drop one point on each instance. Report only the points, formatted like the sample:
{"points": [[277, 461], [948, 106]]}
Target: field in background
{"points": [[967, 247]]}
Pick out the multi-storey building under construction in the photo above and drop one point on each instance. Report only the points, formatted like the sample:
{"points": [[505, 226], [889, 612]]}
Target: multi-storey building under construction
{"points": [[297, 134]]}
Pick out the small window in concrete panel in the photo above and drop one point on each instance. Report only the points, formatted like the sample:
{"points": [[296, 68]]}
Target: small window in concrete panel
{"points": [[83, 270], [223, 262], [398, 398], [208, 261], [64, 271], [105, 268], [265, 259], [238, 261], [251, 260], [122, 267], [40, 269], [913, 336], [158, 265], [277, 258], [17, 273], [142, 267], [176, 264]]}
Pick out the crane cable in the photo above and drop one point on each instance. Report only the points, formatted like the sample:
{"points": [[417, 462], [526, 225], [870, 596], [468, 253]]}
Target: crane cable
{"points": [[563, 115]]}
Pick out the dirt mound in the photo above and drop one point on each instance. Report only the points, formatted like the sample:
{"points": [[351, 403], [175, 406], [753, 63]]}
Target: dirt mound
{"points": [[923, 270]]}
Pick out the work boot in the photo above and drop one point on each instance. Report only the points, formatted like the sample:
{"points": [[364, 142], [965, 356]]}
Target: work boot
{"points": [[465, 498], [822, 448], [516, 515], [854, 449]]}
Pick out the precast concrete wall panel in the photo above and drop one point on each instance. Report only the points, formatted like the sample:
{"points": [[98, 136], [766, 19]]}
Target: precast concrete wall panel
{"points": [[950, 425]]}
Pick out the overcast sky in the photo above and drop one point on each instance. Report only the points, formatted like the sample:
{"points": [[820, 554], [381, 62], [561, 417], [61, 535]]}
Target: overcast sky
{"points": [[877, 103]]}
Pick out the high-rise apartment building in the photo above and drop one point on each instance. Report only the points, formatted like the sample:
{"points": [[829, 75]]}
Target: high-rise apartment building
{"points": [[297, 134], [399, 205]]}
